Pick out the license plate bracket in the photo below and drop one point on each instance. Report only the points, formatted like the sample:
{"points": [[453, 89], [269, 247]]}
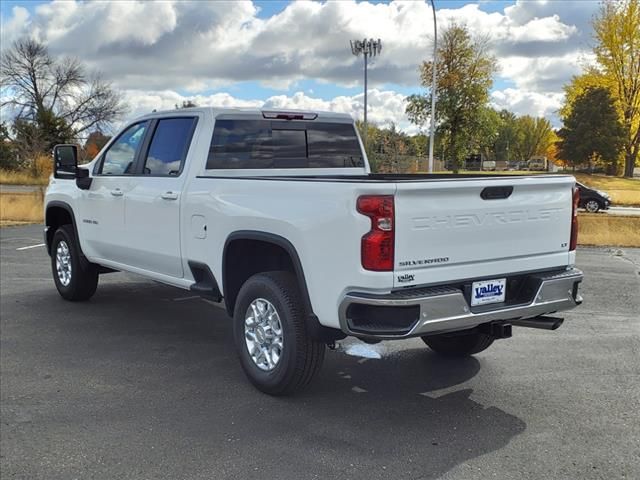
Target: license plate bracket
{"points": [[488, 291]]}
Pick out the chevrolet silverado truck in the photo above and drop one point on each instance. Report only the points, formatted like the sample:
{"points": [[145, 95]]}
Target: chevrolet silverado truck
{"points": [[277, 215]]}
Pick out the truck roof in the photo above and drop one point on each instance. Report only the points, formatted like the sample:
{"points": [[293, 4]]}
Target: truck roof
{"points": [[251, 111]]}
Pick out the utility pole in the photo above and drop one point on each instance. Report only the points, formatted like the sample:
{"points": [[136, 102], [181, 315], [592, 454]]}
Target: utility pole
{"points": [[368, 48], [433, 88]]}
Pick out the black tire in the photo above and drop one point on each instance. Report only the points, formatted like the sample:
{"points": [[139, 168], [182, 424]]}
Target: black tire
{"points": [[459, 345], [592, 206], [83, 274], [301, 356]]}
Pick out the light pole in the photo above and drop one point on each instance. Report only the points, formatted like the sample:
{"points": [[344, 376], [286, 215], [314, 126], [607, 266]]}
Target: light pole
{"points": [[507, 153], [433, 88], [368, 48]]}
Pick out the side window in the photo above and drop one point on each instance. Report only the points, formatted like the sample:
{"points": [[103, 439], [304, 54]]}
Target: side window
{"points": [[241, 144], [120, 158], [333, 145], [169, 146]]}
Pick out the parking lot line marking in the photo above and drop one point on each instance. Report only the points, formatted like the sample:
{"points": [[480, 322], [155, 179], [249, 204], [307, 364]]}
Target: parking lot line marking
{"points": [[182, 299], [215, 304], [30, 246]]}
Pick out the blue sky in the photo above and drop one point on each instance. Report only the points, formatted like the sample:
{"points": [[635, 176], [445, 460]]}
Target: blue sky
{"points": [[296, 54]]}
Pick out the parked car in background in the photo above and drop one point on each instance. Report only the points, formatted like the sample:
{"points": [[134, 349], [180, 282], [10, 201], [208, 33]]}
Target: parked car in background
{"points": [[489, 165], [593, 200], [513, 166], [537, 163], [477, 162]]}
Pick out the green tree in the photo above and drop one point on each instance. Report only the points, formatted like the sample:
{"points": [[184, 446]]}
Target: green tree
{"points": [[617, 35], [419, 145], [53, 129], [509, 137], [8, 154], [488, 133], [465, 75], [535, 136], [592, 130], [372, 147], [591, 77]]}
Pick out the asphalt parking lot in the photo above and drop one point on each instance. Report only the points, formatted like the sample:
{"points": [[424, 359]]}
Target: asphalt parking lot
{"points": [[142, 382]]}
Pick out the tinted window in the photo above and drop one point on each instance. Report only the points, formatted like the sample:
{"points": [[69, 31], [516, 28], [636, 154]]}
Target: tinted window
{"points": [[169, 146], [119, 159], [291, 144], [289, 148], [333, 145]]}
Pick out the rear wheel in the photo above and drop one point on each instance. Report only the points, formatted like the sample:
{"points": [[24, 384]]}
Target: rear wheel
{"points": [[592, 206], [76, 278], [459, 345], [275, 349]]}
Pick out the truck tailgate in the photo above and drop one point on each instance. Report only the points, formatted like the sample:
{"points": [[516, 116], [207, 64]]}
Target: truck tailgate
{"points": [[450, 230]]}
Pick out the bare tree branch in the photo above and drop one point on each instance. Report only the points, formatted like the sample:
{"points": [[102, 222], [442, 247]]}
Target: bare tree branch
{"points": [[46, 90]]}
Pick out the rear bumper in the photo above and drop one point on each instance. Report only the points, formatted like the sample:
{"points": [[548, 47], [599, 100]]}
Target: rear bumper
{"points": [[426, 311]]}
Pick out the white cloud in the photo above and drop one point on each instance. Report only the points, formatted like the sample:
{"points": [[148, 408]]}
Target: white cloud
{"points": [[14, 27], [385, 107], [170, 44], [196, 46], [523, 102], [543, 73]]}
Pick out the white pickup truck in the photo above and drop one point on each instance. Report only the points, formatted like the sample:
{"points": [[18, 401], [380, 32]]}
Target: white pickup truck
{"points": [[277, 215]]}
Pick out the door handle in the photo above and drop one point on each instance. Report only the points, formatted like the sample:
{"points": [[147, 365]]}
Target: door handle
{"points": [[169, 196], [116, 192]]}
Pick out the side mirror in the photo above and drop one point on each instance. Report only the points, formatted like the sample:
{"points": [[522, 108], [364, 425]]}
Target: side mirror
{"points": [[65, 161], [65, 165]]}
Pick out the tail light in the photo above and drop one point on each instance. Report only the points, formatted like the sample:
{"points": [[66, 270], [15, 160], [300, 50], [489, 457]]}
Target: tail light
{"points": [[573, 243], [377, 246]]}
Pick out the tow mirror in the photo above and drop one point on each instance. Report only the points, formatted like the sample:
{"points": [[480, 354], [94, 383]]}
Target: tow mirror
{"points": [[65, 161], [65, 165]]}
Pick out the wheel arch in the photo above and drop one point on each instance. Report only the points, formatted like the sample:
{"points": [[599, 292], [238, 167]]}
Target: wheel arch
{"points": [[266, 239], [287, 257], [58, 213]]}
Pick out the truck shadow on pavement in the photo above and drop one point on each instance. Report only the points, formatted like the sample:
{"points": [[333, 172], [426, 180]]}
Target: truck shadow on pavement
{"points": [[147, 358]]}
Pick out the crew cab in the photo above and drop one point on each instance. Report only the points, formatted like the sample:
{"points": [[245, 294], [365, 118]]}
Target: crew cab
{"points": [[278, 216]]}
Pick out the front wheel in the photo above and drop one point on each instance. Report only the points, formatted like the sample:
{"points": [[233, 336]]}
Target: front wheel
{"points": [[592, 206], [275, 349], [459, 345], [76, 279]]}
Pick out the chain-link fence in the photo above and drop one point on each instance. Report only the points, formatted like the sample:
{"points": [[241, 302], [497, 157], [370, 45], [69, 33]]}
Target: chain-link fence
{"points": [[390, 163]]}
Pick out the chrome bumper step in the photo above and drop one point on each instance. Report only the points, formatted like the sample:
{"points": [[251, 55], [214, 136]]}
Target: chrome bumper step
{"points": [[445, 309]]}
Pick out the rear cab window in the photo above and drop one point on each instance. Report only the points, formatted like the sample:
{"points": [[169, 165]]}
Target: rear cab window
{"points": [[240, 143]]}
